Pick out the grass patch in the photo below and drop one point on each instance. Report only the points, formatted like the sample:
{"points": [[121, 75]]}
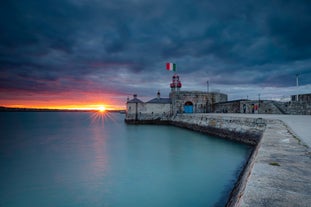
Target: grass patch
{"points": [[274, 164]]}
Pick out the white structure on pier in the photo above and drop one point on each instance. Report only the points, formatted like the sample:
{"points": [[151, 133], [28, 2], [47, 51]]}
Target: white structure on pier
{"points": [[177, 103]]}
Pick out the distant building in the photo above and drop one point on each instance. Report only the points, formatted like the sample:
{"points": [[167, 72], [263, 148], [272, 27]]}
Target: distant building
{"points": [[302, 97], [195, 101], [300, 107], [178, 102]]}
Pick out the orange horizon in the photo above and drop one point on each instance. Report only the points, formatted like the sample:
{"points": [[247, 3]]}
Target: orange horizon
{"points": [[92, 106], [66, 100]]}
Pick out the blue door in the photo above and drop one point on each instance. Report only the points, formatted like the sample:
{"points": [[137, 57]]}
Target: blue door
{"points": [[188, 107]]}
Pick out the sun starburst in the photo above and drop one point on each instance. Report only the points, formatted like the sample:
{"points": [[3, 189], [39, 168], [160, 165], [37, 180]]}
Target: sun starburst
{"points": [[101, 108]]}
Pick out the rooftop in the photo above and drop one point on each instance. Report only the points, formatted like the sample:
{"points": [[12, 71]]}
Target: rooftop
{"points": [[160, 100], [135, 100]]}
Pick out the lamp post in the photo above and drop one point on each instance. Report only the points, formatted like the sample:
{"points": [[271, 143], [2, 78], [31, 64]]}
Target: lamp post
{"points": [[207, 84], [297, 84], [258, 102]]}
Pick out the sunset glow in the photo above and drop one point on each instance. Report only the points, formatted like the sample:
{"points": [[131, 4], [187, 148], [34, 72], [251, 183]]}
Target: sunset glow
{"points": [[94, 107], [66, 100], [102, 109], [80, 64]]}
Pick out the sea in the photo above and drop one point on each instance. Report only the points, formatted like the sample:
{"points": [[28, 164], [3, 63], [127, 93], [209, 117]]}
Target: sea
{"points": [[79, 159]]}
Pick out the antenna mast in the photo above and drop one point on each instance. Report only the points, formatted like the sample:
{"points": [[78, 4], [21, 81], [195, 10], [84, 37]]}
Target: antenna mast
{"points": [[207, 84], [297, 84]]}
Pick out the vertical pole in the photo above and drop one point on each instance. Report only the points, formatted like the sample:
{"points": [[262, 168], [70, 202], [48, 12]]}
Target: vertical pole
{"points": [[258, 103], [136, 111], [207, 84], [297, 84]]}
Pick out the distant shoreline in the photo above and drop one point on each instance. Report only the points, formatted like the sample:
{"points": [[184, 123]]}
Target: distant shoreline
{"points": [[9, 109]]}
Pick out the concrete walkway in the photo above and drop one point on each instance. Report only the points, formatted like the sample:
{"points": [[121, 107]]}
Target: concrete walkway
{"points": [[281, 173], [299, 124]]}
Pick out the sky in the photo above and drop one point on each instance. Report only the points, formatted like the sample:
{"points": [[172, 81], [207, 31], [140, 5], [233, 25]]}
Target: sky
{"points": [[85, 53]]}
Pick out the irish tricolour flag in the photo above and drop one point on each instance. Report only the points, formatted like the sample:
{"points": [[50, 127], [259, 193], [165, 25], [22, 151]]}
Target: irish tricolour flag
{"points": [[171, 66]]}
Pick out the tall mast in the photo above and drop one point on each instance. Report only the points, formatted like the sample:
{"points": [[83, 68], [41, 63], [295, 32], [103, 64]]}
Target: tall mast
{"points": [[297, 85]]}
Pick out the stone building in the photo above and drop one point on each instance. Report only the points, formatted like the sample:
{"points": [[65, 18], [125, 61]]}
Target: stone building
{"points": [[204, 102], [150, 110], [302, 107], [192, 101], [235, 106], [195, 101], [249, 107], [133, 107], [178, 102], [302, 97]]}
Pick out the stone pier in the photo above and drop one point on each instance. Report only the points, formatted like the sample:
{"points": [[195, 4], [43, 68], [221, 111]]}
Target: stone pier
{"points": [[278, 172], [246, 130]]}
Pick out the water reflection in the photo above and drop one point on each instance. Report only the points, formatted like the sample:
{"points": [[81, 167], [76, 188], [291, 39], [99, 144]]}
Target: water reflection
{"points": [[99, 138], [94, 159], [102, 117]]}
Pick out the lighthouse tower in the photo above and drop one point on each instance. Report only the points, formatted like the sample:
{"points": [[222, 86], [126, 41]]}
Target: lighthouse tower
{"points": [[175, 84], [175, 87]]}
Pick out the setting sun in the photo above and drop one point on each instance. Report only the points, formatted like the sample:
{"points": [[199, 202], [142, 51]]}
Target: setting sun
{"points": [[102, 108]]}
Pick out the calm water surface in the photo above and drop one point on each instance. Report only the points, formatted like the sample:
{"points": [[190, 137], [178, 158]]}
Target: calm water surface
{"points": [[82, 159]]}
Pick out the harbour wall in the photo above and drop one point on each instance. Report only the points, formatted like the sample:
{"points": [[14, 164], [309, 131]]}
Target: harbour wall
{"points": [[264, 107], [242, 129], [277, 172], [246, 130]]}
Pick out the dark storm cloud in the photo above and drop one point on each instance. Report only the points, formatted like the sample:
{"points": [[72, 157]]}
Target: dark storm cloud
{"points": [[122, 46]]}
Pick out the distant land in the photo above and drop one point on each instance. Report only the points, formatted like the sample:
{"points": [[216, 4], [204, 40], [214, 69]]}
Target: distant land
{"points": [[9, 109]]}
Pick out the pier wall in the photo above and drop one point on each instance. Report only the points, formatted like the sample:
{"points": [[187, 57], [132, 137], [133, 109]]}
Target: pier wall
{"points": [[242, 129], [264, 107], [277, 172], [246, 130]]}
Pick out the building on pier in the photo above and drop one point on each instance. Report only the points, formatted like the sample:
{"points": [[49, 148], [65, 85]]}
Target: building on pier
{"points": [[178, 102]]}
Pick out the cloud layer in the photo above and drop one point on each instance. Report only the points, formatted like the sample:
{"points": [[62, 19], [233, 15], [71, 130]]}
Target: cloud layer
{"points": [[120, 47]]}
